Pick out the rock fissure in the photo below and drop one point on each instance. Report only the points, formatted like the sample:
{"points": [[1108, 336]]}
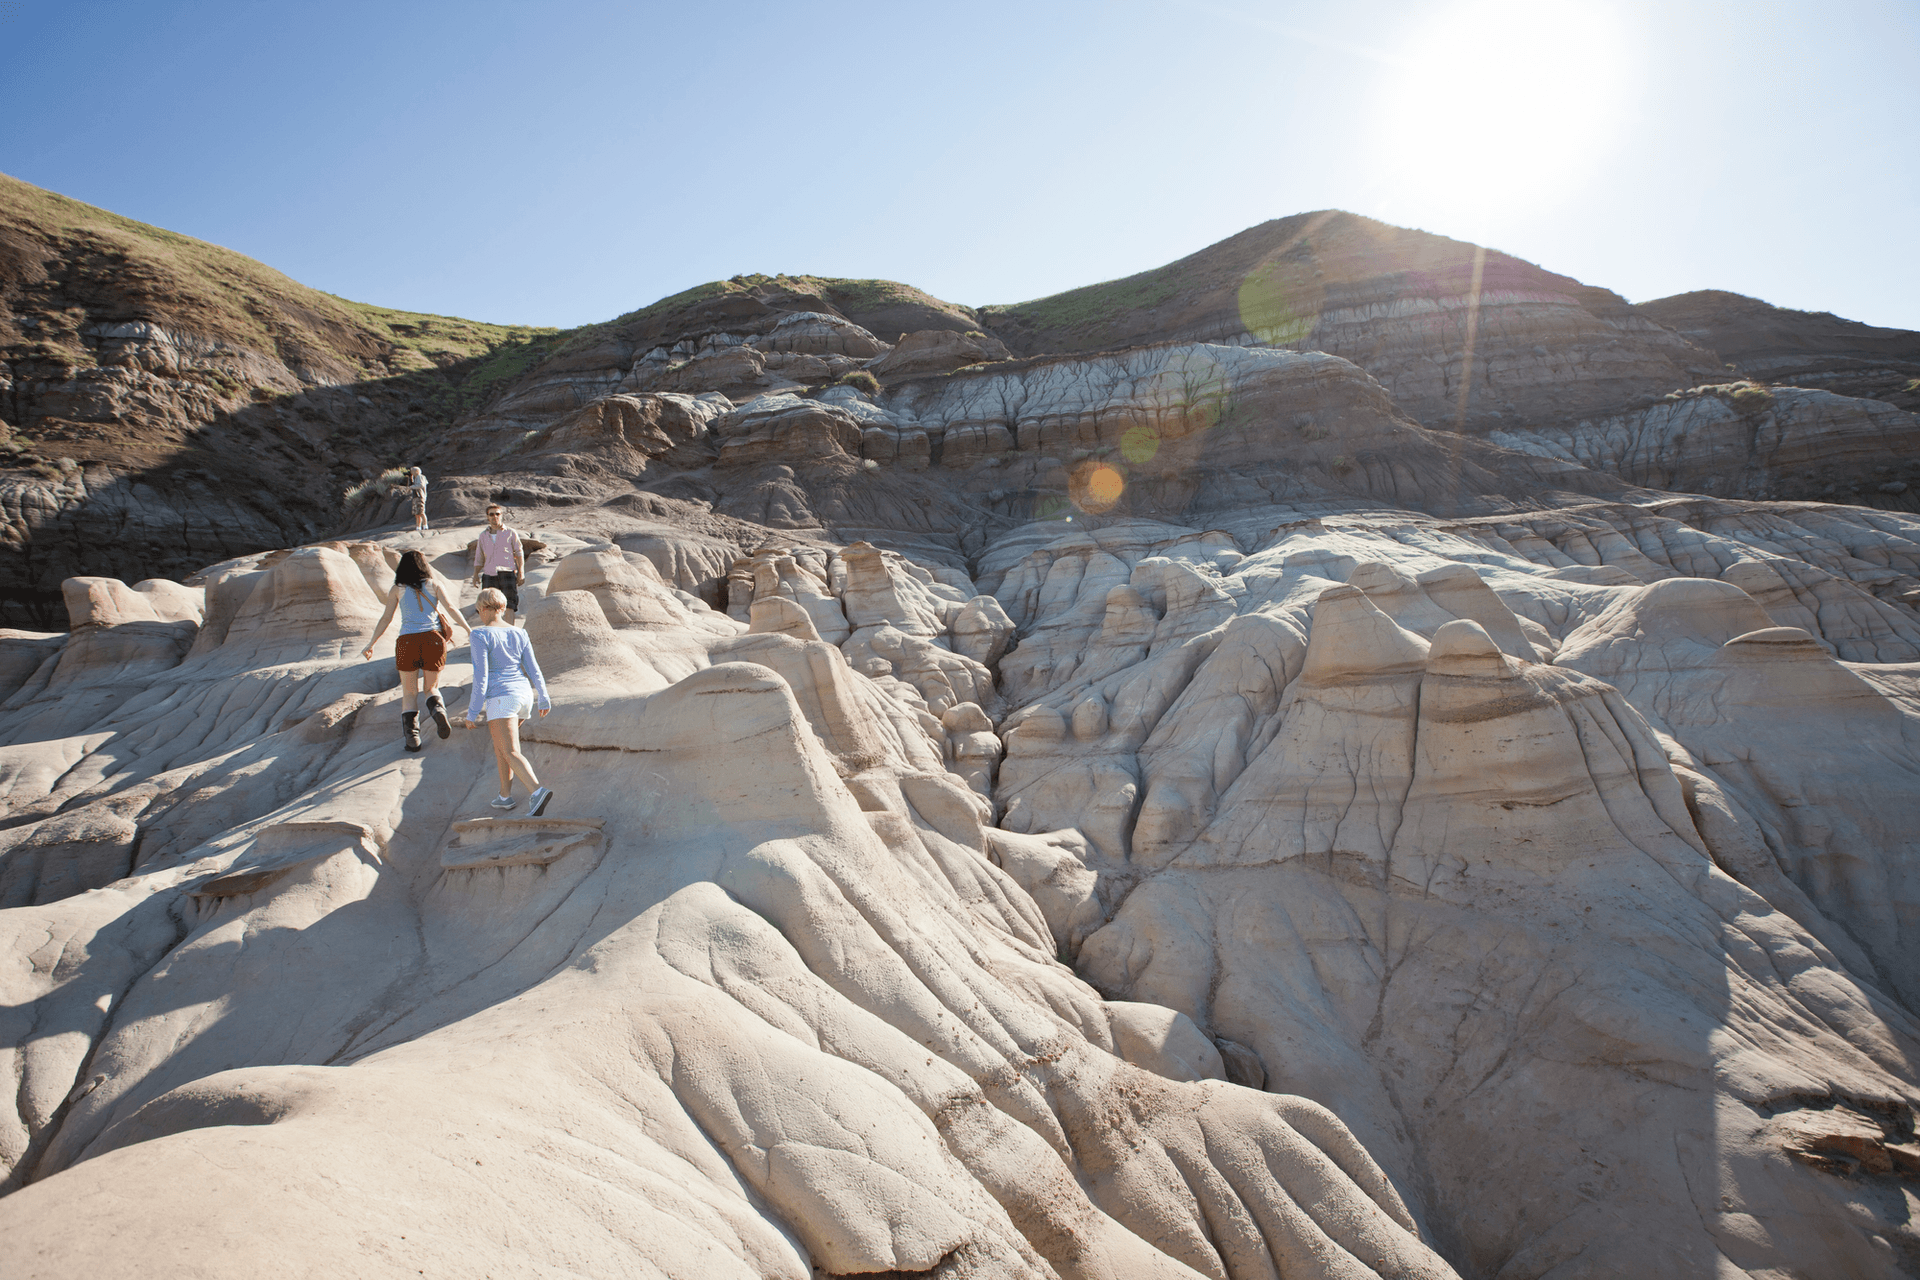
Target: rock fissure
{"points": [[1320, 696]]}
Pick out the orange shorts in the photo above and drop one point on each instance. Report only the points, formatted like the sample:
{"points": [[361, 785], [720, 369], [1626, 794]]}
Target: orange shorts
{"points": [[420, 651]]}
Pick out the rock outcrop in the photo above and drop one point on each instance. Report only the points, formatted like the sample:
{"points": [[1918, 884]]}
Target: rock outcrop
{"points": [[158, 423], [166, 403], [1801, 348], [1741, 440], [1400, 304], [1160, 901], [858, 1051], [1170, 811]]}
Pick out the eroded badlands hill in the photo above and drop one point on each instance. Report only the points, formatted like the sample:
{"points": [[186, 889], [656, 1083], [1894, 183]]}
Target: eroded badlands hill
{"points": [[1809, 349], [169, 403], [1165, 811], [1313, 897]]}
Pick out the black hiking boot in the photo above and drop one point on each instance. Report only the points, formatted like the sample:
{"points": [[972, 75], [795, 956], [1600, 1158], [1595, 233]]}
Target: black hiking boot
{"points": [[410, 726], [438, 710]]}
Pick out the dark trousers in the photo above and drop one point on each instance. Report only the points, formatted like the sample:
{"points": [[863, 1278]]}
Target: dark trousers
{"points": [[505, 584]]}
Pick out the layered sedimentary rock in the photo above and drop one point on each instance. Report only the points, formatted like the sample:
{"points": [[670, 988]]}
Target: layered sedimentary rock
{"points": [[1169, 811], [1459, 335], [1741, 440], [1802, 348], [168, 403], [1423, 877], [1140, 900], [760, 962], [162, 420]]}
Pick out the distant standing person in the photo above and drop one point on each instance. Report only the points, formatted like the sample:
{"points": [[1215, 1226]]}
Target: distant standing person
{"points": [[417, 492], [426, 624], [506, 682], [499, 561]]}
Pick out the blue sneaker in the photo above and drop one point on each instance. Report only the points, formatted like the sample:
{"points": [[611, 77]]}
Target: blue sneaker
{"points": [[503, 802], [537, 802]]}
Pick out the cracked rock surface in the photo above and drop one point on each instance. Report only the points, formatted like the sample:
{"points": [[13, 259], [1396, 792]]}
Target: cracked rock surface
{"points": [[1219, 786], [1150, 900]]}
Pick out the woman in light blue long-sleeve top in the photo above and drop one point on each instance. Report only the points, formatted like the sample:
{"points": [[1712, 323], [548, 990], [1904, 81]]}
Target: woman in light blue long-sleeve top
{"points": [[506, 683]]}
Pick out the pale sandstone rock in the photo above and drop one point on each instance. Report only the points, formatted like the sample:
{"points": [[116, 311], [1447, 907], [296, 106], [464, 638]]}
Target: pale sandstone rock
{"points": [[105, 602], [1300, 798], [815, 333], [631, 595], [973, 750], [1163, 1041], [778, 615], [888, 590], [172, 602], [782, 574], [1791, 442], [23, 653], [779, 428], [935, 351], [1859, 626], [1365, 816], [982, 630], [838, 1143]]}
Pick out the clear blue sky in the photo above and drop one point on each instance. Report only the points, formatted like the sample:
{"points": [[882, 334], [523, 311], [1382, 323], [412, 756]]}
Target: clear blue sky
{"points": [[563, 162]]}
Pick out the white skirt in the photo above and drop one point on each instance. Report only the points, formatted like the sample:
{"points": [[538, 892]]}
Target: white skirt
{"points": [[510, 705]]}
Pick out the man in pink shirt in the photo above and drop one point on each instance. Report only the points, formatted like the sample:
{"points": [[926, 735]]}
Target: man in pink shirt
{"points": [[498, 561]]}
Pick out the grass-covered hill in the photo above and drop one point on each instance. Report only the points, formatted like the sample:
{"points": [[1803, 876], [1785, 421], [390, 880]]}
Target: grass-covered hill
{"points": [[70, 268]]}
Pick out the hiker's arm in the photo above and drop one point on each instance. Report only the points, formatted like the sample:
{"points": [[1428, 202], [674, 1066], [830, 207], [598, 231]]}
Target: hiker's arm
{"points": [[531, 665], [480, 655], [519, 560], [443, 594], [393, 602]]}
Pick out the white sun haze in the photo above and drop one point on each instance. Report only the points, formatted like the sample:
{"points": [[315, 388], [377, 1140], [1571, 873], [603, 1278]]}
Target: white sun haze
{"points": [[1500, 105]]}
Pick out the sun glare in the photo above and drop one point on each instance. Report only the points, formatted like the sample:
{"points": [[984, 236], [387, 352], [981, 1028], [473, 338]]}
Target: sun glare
{"points": [[1501, 103]]}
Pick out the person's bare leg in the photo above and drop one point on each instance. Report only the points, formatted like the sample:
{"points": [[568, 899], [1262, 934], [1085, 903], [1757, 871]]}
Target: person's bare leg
{"points": [[500, 761], [506, 746], [410, 689]]}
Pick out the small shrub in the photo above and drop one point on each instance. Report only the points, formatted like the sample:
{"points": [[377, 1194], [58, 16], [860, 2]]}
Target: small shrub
{"points": [[860, 380], [1748, 398], [47, 470], [357, 496], [1341, 464]]}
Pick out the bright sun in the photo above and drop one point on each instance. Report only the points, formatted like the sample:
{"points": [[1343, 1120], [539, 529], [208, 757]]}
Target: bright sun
{"points": [[1497, 103]]}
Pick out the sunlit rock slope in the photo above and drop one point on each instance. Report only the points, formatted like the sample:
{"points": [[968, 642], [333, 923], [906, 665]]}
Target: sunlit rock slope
{"points": [[1161, 803], [1362, 893], [165, 403]]}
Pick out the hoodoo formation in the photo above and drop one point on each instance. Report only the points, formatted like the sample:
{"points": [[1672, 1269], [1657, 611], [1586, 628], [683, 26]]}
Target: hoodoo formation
{"points": [[1202, 775]]}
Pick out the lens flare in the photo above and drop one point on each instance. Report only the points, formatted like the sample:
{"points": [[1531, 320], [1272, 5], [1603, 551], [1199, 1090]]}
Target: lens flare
{"points": [[1280, 302], [1139, 445], [1096, 486]]}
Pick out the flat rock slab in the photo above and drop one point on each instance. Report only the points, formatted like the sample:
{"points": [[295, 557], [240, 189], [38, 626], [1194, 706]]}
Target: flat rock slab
{"points": [[517, 842], [280, 848]]}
